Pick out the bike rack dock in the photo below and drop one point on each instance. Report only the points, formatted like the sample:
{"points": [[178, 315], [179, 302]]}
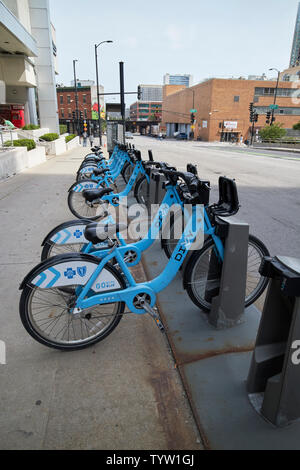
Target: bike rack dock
{"points": [[214, 365], [213, 355]]}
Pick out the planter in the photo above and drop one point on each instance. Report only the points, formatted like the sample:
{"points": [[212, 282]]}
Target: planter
{"points": [[36, 157], [73, 143], [13, 161], [56, 147], [34, 134]]}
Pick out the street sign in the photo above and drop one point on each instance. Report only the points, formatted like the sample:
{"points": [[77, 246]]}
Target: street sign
{"points": [[273, 106], [193, 111]]}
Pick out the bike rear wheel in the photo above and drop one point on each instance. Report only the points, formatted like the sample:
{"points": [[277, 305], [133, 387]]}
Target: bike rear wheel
{"points": [[141, 191], [198, 276], [127, 172], [81, 210]]}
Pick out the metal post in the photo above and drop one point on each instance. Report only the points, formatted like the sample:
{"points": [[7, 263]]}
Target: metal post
{"points": [[122, 96], [76, 94], [98, 97], [252, 132], [275, 96]]}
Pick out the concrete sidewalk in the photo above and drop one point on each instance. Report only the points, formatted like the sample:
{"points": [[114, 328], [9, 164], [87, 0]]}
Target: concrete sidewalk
{"points": [[124, 393]]}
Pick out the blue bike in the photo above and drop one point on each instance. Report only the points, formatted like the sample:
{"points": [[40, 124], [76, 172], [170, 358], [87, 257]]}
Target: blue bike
{"points": [[74, 301]]}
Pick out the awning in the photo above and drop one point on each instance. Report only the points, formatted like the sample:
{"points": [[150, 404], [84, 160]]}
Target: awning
{"points": [[14, 38]]}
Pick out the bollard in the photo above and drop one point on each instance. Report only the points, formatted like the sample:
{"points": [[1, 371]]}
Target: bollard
{"points": [[274, 378], [227, 294]]}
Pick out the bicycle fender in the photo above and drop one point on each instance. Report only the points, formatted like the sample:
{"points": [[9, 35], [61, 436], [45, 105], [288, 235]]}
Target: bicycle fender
{"points": [[69, 270], [64, 230], [81, 186]]}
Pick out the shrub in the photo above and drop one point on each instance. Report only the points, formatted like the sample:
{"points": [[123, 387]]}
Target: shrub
{"points": [[63, 129], [30, 127], [273, 132], [70, 137], [296, 127], [29, 143], [49, 137]]}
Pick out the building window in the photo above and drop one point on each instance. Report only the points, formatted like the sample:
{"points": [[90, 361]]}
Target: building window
{"points": [[256, 99], [62, 113], [284, 110], [69, 113], [236, 99], [85, 113], [84, 99], [61, 98], [68, 99]]}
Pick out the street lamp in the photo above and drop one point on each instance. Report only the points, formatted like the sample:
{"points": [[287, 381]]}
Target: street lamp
{"points": [[275, 96], [76, 94], [98, 98]]}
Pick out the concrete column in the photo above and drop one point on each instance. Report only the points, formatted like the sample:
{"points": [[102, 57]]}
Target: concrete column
{"points": [[32, 106], [45, 69]]}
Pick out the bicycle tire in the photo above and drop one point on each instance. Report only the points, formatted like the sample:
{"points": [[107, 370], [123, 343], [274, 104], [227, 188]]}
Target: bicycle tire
{"points": [[35, 330], [141, 190], [79, 208], [197, 294], [127, 172]]}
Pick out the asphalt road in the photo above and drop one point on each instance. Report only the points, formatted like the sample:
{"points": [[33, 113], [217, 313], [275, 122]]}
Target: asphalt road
{"points": [[268, 184]]}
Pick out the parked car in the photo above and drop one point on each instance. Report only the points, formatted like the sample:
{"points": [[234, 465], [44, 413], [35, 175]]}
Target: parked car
{"points": [[181, 136], [128, 135]]}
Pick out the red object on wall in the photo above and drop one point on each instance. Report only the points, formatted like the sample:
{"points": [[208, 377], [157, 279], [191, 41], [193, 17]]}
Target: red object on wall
{"points": [[13, 113], [17, 116]]}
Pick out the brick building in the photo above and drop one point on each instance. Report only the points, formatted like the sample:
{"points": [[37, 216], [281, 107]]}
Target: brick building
{"points": [[223, 108], [87, 101], [146, 111]]}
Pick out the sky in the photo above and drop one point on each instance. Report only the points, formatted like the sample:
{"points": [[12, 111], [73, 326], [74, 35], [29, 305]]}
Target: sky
{"points": [[202, 38]]}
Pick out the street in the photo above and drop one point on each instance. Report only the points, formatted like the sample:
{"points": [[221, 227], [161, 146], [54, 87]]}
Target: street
{"points": [[268, 184]]}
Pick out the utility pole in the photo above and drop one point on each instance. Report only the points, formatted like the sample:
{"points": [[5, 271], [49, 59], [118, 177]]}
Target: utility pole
{"points": [[122, 95], [275, 95], [76, 95], [98, 91]]}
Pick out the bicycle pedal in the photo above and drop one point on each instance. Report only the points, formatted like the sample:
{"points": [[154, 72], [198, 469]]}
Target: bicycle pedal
{"points": [[152, 312]]}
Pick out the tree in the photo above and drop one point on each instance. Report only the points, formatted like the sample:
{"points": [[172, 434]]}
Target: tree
{"points": [[273, 132], [296, 127]]}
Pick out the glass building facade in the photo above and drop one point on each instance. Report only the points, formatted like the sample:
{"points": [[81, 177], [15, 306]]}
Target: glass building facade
{"points": [[295, 55], [178, 79]]}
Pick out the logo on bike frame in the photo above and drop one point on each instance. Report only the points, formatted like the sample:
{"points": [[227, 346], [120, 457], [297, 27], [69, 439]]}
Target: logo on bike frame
{"points": [[82, 271]]}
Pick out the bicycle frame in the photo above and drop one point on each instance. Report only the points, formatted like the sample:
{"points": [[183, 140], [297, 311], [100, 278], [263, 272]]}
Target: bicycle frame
{"points": [[150, 288]]}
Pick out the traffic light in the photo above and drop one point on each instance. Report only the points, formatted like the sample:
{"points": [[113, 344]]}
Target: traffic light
{"points": [[139, 93], [251, 112], [73, 115], [85, 126], [255, 117], [81, 115], [192, 118], [268, 117]]}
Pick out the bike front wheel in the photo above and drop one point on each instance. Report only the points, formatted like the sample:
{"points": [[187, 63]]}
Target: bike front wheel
{"points": [[47, 316], [201, 273]]}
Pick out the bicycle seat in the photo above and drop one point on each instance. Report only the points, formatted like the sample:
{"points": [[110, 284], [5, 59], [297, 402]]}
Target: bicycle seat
{"points": [[100, 171], [92, 194], [97, 232]]}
